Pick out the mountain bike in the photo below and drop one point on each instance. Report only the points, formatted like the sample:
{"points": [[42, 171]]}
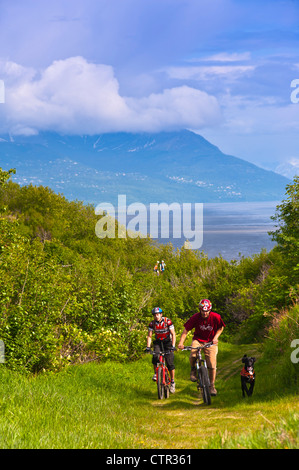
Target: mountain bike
{"points": [[162, 374], [203, 381]]}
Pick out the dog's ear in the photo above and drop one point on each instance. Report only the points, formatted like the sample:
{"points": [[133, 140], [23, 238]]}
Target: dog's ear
{"points": [[253, 358], [244, 358]]}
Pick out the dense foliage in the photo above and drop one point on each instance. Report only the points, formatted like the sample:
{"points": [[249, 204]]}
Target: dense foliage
{"points": [[68, 296]]}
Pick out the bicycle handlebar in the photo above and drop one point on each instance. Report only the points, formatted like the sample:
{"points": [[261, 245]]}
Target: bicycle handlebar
{"points": [[163, 353], [206, 345]]}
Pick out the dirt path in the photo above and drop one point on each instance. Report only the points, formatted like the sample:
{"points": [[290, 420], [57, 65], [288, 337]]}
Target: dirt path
{"points": [[227, 370]]}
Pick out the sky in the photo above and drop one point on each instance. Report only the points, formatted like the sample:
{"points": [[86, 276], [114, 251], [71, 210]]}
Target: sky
{"points": [[222, 68]]}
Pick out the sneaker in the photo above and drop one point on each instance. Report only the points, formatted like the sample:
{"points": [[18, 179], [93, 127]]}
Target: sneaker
{"points": [[193, 377], [154, 378], [172, 387], [213, 391]]}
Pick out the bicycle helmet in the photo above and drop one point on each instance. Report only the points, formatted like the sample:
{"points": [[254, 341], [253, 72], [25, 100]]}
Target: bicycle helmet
{"points": [[205, 305], [157, 310]]}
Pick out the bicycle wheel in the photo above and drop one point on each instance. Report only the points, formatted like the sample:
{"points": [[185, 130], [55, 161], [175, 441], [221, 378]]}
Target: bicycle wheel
{"points": [[205, 385], [160, 384], [167, 384]]}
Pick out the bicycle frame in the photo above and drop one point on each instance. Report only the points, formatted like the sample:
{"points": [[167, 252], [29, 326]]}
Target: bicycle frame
{"points": [[203, 381], [163, 377], [161, 363], [200, 361]]}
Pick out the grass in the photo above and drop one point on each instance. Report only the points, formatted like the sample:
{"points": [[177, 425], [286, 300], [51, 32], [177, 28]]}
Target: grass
{"points": [[115, 406]]}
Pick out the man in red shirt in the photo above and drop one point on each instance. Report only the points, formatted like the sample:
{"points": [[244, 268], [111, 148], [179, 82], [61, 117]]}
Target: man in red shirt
{"points": [[208, 327]]}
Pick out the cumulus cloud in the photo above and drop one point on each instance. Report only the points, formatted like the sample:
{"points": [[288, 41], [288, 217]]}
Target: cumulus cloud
{"points": [[176, 108], [76, 96]]}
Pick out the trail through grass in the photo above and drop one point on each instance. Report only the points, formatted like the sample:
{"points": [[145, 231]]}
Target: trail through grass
{"points": [[115, 406]]}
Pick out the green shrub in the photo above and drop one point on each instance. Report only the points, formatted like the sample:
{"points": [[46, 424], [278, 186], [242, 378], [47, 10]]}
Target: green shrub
{"points": [[278, 345]]}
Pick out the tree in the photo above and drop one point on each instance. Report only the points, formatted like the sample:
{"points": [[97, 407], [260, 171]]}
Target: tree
{"points": [[5, 175], [287, 219], [285, 272]]}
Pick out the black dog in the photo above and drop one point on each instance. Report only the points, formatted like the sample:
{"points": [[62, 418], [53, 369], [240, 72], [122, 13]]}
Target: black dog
{"points": [[247, 375]]}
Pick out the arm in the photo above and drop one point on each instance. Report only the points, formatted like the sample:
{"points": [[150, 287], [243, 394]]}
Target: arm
{"points": [[149, 338], [182, 339], [218, 333], [173, 337]]}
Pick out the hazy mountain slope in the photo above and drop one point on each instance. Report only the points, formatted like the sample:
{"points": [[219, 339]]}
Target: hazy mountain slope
{"points": [[164, 167]]}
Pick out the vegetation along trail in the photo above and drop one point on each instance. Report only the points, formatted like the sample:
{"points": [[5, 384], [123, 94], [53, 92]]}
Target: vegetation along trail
{"points": [[74, 315]]}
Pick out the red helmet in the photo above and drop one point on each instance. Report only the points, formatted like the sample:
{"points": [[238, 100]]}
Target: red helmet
{"points": [[205, 305]]}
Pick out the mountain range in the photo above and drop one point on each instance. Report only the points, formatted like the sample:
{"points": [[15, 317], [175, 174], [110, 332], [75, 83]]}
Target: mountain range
{"points": [[164, 167]]}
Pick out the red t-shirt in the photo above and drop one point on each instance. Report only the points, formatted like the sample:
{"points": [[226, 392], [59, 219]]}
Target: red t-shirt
{"points": [[205, 328]]}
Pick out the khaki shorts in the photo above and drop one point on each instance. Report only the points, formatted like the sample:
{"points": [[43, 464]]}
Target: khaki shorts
{"points": [[210, 353]]}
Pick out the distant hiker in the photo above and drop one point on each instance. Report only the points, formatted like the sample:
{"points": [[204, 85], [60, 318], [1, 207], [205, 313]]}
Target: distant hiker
{"points": [[156, 268], [164, 333], [208, 327], [162, 266]]}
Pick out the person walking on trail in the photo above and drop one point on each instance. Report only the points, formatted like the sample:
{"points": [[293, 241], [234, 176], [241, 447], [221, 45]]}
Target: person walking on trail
{"points": [[156, 268], [208, 327], [162, 266], [164, 333]]}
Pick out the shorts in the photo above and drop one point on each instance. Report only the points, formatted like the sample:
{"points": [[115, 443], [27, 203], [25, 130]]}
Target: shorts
{"points": [[169, 358], [209, 353]]}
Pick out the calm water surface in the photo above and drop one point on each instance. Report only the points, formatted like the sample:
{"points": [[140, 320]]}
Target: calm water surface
{"points": [[237, 229], [232, 230]]}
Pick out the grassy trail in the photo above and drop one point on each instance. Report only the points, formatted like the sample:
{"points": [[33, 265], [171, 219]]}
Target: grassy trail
{"points": [[114, 406]]}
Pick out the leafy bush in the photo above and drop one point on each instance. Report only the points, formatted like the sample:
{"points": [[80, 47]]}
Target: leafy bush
{"points": [[283, 331], [67, 296]]}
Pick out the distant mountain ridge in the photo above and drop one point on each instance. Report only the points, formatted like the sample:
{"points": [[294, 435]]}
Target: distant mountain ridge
{"points": [[163, 167]]}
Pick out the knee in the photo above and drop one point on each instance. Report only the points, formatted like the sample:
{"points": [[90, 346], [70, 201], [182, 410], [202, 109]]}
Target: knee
{"points": [[192, 359]]}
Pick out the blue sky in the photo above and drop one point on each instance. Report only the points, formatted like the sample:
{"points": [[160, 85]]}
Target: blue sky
{"points": [[222, 68]]}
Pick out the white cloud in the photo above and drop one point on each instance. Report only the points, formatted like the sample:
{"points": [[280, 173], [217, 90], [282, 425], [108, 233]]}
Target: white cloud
{"points": [[76, 96], [294, 161], [228, 72], [224, 57], [290, 168], [16, 73], [181, 106]]}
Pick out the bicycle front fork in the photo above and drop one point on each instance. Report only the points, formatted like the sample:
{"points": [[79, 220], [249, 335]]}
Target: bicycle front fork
{"points": [[198, 365]]}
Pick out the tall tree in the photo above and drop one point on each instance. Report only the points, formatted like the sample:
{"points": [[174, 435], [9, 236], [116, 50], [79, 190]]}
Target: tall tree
{"points": [[5, 175], [286, 234]]}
